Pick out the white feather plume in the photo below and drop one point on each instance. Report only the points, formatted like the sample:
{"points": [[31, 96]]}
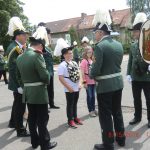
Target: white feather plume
{"points": [[1, 47], [41, 33], [75, 43], [14, 24], [91, 42], [102, 16], [61, 44], [140, 17], [85, 39]]}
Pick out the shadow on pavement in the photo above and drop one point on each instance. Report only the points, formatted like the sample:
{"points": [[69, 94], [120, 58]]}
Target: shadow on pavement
{"points": [[63, 128], [5, 139], [85, 117], [4, 125], [5, 108], [58, 131], [132, 137], [29, 148]]}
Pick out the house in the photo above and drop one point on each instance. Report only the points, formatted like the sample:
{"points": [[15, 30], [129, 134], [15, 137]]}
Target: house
{"points": [[83, 25]]}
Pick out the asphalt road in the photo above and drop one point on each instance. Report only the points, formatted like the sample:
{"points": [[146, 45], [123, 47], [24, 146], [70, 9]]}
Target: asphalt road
{"points": [[82, 138]]}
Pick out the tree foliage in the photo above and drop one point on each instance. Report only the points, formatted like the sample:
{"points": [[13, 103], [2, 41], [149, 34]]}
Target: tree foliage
{"points": [[74, 35], [8, 9], [139, 6]]}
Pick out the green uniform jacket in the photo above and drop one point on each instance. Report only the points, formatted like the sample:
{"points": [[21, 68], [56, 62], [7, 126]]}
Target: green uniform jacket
{"points": [[49, 61], [32, 68], [132, 64], [75, 53], [108, 54], [12, 54], [2, 62], [10, 47]]}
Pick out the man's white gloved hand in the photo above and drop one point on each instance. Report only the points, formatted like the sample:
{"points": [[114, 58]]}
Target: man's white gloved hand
{"points": [[129, 79], [149, 68], [20, 90]]}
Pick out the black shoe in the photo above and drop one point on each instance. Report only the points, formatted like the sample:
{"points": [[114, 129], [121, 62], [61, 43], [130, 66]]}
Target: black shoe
{"points": [[134, 121], [34, 146], [11, 125], [121, 141], [6, 82], [148, 124], [52, 145], [55, 107], [23, 133], [103, 147]]}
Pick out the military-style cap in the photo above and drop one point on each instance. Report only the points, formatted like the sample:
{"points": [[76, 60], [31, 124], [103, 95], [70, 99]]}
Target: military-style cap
{"points": [[85, 40], [40, 36], [102, 21], [138, 21], [42, 24], [61, 47], [40, 41], [75, 43], [16, 27]]}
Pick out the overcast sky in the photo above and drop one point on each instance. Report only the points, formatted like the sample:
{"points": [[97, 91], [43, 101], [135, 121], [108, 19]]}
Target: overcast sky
{"points": [[52, 10]]}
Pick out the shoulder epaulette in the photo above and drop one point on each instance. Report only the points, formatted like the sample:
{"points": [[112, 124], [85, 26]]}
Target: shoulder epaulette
{"points": [[18, 50]]}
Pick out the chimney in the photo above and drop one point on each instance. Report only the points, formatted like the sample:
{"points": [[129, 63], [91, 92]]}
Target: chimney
{"points": [[113, 10], [83, 15]]}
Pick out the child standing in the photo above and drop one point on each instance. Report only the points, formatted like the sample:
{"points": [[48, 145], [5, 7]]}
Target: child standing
{"points": [[89, 84], [69, 76]]}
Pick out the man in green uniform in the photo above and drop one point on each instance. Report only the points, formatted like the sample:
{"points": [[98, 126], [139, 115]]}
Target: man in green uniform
{"points": [[3, 65], [35, 78], [106, 70], [50, 87], [76, 52], [19, 36], [137, 73], [49, 66]]}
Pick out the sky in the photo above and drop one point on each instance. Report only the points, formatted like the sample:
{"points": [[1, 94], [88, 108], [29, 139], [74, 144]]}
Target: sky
{"points": [[53, 10]]}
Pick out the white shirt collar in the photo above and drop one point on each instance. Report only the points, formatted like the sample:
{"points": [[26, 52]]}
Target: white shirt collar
{"points": [[104, 37], [31, 48]]}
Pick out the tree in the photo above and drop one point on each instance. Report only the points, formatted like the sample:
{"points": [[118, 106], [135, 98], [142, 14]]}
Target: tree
{"points": [[8, 9], [139, 6], [74, 35]]}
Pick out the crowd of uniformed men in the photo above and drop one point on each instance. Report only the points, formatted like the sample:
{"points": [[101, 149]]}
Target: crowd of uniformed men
{"points": [[31, 77]]}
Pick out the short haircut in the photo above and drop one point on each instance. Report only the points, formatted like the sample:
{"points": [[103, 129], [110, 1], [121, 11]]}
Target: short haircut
{"points": [[34, 43], [65, 51]]}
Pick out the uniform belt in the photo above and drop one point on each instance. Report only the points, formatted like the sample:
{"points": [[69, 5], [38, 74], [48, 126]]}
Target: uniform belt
{"points": [[33, 84], [108, 76]]}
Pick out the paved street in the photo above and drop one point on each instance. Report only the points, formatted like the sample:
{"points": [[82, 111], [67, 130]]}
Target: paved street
{"points": [[82, 138]]}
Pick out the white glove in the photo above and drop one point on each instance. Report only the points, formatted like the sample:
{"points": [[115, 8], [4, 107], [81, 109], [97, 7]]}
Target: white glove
{"points": [[20, 90], [149, 68], [129, 79]]}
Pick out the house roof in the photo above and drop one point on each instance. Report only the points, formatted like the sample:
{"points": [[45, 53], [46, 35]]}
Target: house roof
{"points": [[62, 25], [119, 17]]}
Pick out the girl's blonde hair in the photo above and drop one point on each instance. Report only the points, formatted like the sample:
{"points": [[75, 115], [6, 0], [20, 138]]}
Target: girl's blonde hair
{"points": [[84, 55]]}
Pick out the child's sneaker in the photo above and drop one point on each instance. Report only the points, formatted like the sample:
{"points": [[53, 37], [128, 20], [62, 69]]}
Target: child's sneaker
{"points": [[72, 124], [96, 112], [92, 114], [78, 121]]}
